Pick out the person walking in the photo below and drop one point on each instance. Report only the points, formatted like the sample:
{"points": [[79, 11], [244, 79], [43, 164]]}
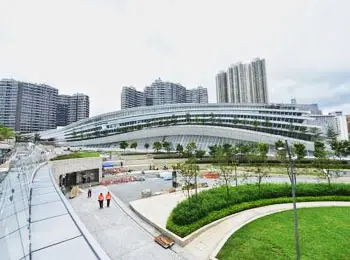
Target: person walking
{"points": [[108, 198], [89, 191], [100, 200]]}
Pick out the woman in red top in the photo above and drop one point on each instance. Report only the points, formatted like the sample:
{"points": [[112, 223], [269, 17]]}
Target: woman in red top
{"points": [[108, 198]]}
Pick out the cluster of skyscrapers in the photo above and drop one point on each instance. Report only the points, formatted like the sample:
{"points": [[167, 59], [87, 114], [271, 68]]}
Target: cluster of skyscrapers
{"points": [[161, 93], [243, 83], [29, 107]]}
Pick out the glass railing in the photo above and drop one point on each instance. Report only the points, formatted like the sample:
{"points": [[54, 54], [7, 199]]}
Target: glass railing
{"points": [[15, 202]]}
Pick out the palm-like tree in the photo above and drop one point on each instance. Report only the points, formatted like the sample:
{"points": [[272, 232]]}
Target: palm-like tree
{"points": [[133, 145], [146, 147], [123, 145], [157, 146]]}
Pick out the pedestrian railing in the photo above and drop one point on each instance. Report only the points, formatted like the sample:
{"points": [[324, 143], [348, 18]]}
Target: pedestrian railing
{"points": [[15, 202]]}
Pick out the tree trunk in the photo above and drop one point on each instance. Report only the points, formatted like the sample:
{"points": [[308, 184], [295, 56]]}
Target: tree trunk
{"points": [[227, 189], [236, 176]]}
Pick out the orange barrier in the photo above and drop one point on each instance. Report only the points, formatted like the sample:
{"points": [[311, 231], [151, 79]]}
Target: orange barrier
{"points": [[211, 175], [116, 181]]}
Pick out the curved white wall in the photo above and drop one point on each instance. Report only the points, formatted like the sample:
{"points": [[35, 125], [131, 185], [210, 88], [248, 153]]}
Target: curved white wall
{"points": [[197, 130]]}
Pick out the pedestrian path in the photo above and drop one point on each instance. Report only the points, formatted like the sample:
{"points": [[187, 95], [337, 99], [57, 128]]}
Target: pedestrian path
{"points": [[55, 233], [208, 244], [117, 232]]}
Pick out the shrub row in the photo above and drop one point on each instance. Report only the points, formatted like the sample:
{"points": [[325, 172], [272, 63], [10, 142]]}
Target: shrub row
{"points": [[215, 200], [75, 155], [185, 230]]}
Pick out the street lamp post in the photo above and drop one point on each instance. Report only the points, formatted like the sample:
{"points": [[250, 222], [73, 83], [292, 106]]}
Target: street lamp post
{"points": [[292, 177]]}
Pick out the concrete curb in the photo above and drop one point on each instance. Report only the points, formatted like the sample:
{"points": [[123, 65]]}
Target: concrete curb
{"points": [[95, 246], [288, 206], [179, 240]]}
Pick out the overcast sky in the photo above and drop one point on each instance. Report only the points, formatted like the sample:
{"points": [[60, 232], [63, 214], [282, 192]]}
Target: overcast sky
{"points": [[98, 46]]}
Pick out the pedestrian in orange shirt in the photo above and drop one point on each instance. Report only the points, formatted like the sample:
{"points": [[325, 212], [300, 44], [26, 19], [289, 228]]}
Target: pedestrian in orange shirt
{"points": [[100, 200], [108, 198]]}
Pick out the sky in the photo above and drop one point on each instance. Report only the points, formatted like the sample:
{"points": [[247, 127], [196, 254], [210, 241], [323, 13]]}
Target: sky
{"points": [[98, 46]]}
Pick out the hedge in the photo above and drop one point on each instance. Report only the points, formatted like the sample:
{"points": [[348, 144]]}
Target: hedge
{"points": [[213, 204], [76, 155]]}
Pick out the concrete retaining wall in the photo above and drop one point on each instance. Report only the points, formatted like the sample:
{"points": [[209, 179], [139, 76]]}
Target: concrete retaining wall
{"points": [[75, 165]]}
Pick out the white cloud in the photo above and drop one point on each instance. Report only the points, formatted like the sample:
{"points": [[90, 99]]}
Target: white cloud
{"points": [[96, 47]]}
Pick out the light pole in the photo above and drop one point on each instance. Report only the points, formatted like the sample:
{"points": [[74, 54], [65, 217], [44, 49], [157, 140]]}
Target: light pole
{"points": [[292, 178]]}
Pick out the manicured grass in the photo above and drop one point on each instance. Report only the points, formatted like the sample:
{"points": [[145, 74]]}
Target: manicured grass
{"points": [[214, 204], [76, 155], [324, 234]]}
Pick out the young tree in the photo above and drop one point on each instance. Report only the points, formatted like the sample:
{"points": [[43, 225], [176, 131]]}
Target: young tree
{"points": [[315, 134], [260, 172], [300, 150], [200, 154], [226, 174], [327, 168], [263, 149], [189, 172], [331, 133], [222, 157], [280, 150], [190, 148], [319, 150], [123, 145], [157, 146], [133, 146], [179, 149], [227, 148], [340, 148], [167, 146], [146, 146], [212, 149]]}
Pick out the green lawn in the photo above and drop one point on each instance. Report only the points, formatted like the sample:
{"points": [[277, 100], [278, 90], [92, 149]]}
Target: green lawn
{"points": [[76, 155], [324, 234]]}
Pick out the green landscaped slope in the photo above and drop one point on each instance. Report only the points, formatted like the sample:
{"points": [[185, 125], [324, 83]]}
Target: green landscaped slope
{"points": [[324, 234], [76, 155], [213, 204]]}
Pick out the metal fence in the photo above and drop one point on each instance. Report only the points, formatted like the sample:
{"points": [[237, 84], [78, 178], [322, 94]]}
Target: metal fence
{"points": [[15, 202]]}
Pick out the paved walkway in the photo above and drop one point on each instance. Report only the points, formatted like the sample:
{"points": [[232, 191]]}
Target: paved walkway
{"points": [[117, 231]]}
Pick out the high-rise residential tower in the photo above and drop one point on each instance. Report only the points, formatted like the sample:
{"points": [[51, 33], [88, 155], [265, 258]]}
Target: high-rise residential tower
{"points": [[73, 108], [160, 93], [27, 107], [131, 97], [197, 95], [221, 87], [243, 83]]}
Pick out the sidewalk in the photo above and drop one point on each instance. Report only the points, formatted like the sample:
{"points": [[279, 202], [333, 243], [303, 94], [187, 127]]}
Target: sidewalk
{"points": [[208, 244], [117, 232]]}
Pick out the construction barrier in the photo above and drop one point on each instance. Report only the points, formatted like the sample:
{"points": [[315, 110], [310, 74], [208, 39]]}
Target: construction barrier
{"points": [[211, 175], [117, 180]]}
